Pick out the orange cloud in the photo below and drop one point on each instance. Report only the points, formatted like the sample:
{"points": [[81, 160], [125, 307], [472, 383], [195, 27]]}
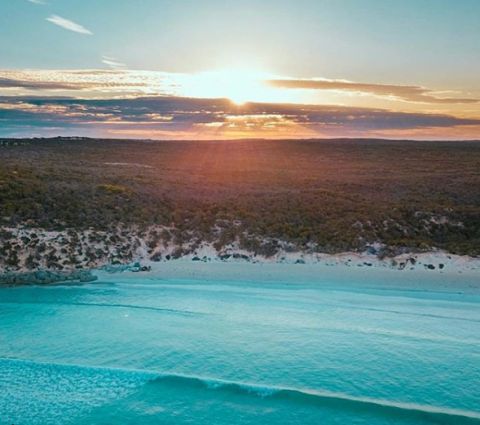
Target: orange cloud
{"points": [[179, 117], [405, 93]]}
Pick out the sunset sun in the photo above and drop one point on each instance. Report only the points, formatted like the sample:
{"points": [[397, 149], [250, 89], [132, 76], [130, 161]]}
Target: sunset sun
{"points": [[239, 85]]}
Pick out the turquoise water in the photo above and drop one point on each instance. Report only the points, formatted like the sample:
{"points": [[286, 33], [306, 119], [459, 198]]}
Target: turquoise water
{"points": [[151, 351]]}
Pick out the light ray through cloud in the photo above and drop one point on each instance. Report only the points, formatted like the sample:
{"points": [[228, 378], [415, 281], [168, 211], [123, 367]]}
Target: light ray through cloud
{"points": [[181, 117]]}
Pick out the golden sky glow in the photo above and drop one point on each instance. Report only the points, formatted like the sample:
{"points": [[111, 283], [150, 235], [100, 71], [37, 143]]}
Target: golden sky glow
{"points": [[191, 69], [228, 103], [240, 85]]}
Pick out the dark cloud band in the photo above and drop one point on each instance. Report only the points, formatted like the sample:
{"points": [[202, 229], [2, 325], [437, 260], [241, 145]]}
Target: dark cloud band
{"points": [[184, 115]]}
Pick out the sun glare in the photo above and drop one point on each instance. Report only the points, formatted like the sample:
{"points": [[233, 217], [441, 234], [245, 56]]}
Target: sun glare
{"points": [[240, 86]]}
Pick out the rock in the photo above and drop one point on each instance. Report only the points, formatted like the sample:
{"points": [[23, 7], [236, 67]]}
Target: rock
{"points": [[156, 257], [196, 258], [430, 267], [40, 275], [241, 257], [137, 267], [87, 276], [300, 261]]}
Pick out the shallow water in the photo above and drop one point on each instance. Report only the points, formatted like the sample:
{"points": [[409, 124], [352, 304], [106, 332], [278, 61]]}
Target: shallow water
{"points": [[146, 350]]}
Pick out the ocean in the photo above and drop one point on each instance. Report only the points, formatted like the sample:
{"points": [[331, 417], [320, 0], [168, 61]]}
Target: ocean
{"points": [[148, 349]]}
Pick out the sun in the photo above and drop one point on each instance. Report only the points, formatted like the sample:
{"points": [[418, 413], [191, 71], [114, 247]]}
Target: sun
{"points": [[238, 85]]}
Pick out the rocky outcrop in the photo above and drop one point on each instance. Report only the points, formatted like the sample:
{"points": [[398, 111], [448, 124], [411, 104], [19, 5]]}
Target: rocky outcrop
{"points": [[44, 277]]}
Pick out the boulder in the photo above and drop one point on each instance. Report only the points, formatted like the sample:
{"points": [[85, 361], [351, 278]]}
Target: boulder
{"points": [[45, 277], [87, 276]]}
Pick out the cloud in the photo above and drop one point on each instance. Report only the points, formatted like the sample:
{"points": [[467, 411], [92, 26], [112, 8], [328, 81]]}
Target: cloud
{"points": [[37, 2], [405, 93], [118, 82], [151, 104], [181, 117], [103, 83], [37, 85], [68, 25], [112, 62]]}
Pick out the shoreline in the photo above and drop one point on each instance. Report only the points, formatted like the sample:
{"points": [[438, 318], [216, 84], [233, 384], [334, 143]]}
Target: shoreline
{"points": [[31, 249], [462, 272]]}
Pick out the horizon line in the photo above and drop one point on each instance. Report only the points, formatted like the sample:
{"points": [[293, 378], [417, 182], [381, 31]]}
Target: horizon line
{"points": [[291, 139]]}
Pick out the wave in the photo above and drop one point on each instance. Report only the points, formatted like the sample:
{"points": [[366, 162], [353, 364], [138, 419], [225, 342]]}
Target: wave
{"points": [[114, 305], [327, 399], [320, 398], [409, 313]]}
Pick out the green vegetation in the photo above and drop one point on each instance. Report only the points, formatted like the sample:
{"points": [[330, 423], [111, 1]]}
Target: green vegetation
{"points": [[327, 196]]}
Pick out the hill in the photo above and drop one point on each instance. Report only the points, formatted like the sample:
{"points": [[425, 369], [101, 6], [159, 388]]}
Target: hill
{"points": [[258, 195]]}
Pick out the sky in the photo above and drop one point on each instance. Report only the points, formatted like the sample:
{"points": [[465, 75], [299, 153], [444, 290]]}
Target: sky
{"points": [[203, 69]]}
